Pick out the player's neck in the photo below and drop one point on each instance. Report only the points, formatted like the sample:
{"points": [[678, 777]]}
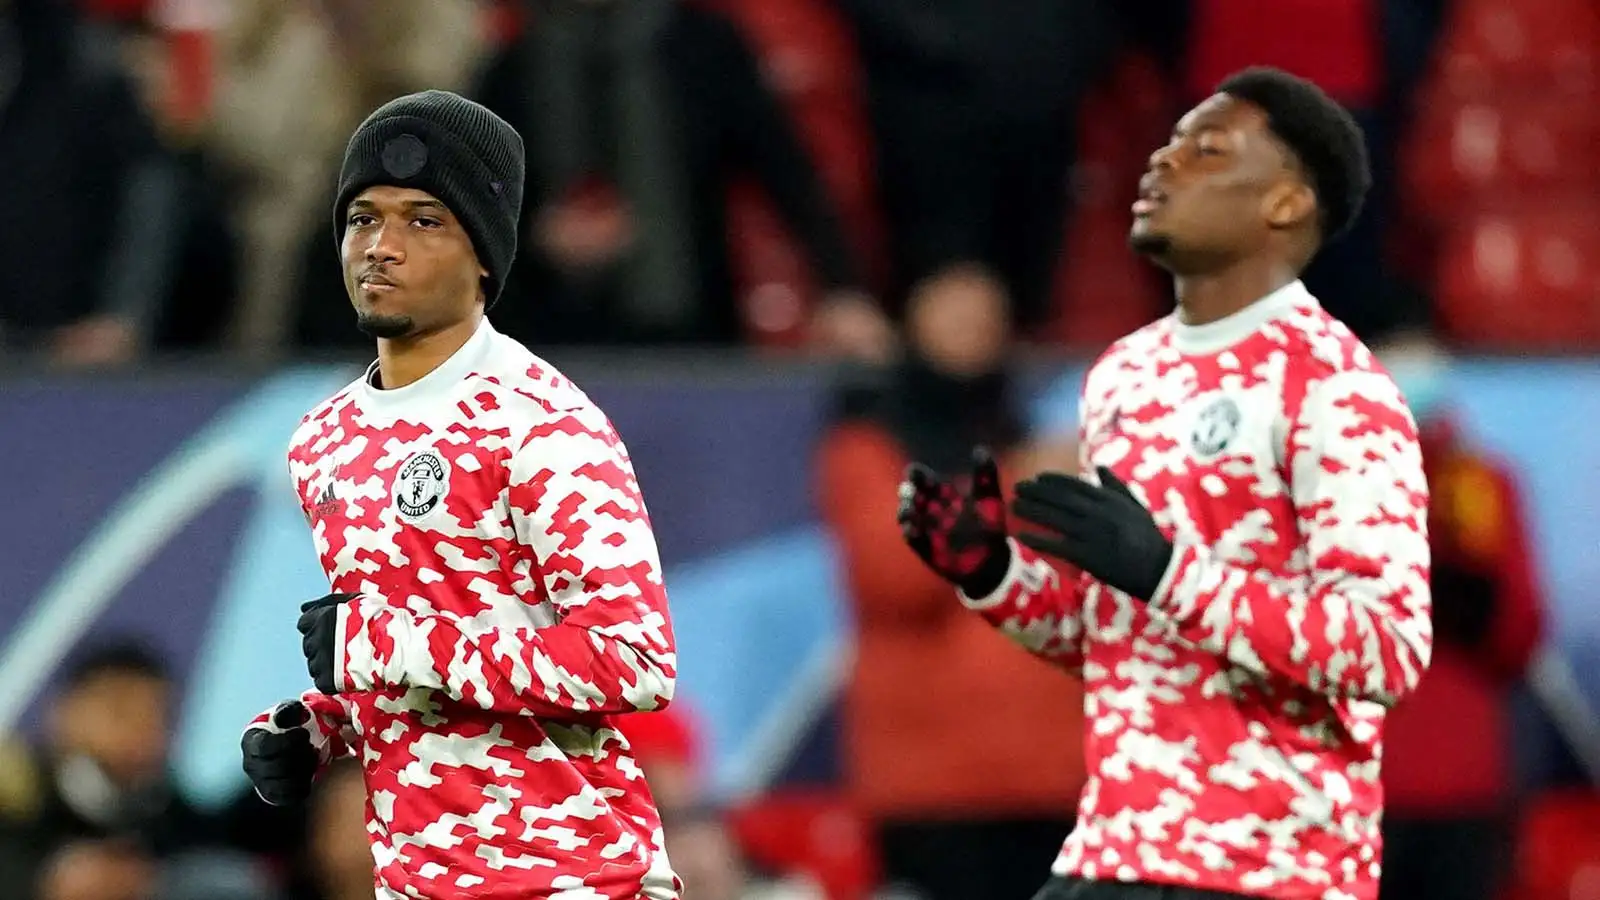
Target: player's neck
{"points": [[1203, 299], [402, 361]]}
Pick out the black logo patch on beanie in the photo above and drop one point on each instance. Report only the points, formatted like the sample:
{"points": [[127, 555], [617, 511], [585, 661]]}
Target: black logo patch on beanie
{"points": [[404, 156]]}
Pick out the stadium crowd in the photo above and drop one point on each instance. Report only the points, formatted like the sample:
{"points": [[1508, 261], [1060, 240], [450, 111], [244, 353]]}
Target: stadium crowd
{"points": [[919, 185], [782, 173], [91, 812]]}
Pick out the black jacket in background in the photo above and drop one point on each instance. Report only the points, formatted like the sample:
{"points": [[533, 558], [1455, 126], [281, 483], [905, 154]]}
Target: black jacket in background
{"points": [[936, 418], [728, 123], [70, 131]]}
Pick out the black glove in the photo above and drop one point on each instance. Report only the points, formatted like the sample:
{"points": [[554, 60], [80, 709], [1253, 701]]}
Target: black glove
{"points": [[318, 629], [1103, 530], [279, 757], [959, 534]]}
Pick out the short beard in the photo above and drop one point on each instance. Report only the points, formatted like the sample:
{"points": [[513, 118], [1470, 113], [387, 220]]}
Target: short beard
{"points": [[1155, 246], [387, 327]]}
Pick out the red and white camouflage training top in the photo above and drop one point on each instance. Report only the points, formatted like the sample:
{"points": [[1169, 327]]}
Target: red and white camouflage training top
{"points": [[1234, 722], [511, 608]]}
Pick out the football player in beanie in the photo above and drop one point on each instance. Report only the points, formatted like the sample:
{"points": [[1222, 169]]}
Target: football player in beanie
{"points": [[496, 597]]}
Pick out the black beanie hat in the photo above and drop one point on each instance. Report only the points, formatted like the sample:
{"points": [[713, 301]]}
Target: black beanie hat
{"points": [[454, 149]]}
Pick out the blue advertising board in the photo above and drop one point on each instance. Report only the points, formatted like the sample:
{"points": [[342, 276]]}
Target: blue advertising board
{"points": [[160, 508]]}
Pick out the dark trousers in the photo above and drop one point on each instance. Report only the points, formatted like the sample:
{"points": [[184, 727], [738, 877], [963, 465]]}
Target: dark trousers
{"points": [[1078, 889], [1000, 859], [1443, 859]]}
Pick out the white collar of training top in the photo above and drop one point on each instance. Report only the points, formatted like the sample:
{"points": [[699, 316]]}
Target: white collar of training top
{"points": [[1214, 337], [447, 373]]}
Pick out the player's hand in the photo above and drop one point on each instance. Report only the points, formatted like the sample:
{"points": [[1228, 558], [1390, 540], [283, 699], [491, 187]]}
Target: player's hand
{"points": [[279, 756], [319, 621], [1102, 529], [959, 533]]}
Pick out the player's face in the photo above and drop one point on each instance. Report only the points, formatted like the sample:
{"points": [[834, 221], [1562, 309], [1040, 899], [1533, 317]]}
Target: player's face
{"points": [[409, 266], [1208, 196]]}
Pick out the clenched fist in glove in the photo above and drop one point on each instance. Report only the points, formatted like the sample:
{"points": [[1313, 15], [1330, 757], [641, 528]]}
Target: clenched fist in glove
{"points": [[279, 755], [319, 629], [960, 533]]}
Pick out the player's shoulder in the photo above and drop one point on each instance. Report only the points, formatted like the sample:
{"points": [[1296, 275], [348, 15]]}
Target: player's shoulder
{"points": [[530, 388], [1320, 346], [322, 418], [1326, 358], [1130, 352]]}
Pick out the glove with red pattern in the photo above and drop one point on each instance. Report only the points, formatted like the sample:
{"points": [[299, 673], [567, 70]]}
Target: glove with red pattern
{"points": [[959, 532]]}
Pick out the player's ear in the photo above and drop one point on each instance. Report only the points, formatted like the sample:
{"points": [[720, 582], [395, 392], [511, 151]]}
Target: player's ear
{"points": [[1288, 203]]}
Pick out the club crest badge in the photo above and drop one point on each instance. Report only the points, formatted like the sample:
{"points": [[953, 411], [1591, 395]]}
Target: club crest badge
{"points": [[421, 484], [1215, 427]]}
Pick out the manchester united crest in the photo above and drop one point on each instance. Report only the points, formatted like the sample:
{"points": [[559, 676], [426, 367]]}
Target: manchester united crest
{"points": [[420, 486], [1215, 427]]}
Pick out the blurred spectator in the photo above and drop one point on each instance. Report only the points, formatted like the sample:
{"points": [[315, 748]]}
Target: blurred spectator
{"points": [[638, 116], [975, 115], [1447, 770], [295, 78], [184, 242], [939, 703], [704, 853], [336, 860], [94, 815], [707, 859], [78, 280], [666, 745]]}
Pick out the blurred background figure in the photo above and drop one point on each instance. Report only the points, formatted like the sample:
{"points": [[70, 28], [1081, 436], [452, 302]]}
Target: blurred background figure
{"points": [[1448, 775], [83, 279], [700, 840], [640, 117], [974, 119], [335, 860], [179, 250], [293, 81], [959, 810], [94, 813], [705, 854]]}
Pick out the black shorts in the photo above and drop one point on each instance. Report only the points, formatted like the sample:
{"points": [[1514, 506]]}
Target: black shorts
{"points": [[1079, 889]]}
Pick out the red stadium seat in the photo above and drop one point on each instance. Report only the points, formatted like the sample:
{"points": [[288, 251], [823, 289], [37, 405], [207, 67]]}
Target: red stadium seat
{"points": [[1558, 849], [814, 834], [774, 281], [1498, 176], [1532, 42], [1525, 279], [1466, 151]]}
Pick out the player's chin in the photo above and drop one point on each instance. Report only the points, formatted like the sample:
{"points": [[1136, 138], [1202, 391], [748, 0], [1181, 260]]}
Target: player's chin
{"points": [[384, 326], [1146, 240]]}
